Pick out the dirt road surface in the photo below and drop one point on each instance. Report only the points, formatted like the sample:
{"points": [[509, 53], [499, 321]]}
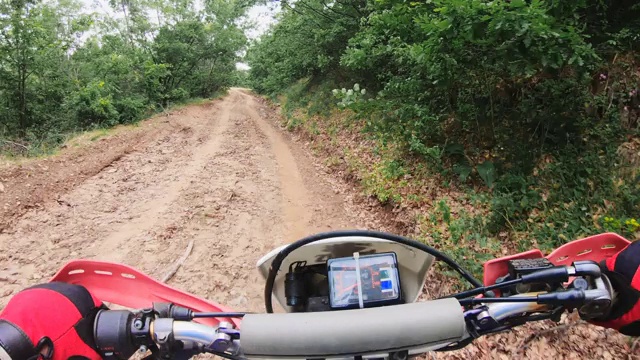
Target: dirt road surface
{"points": [[220, 174], [216, 173]]}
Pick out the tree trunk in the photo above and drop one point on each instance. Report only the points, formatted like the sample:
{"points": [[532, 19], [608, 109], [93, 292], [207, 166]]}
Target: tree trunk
{"points": [[22, 99], [126, 21]]}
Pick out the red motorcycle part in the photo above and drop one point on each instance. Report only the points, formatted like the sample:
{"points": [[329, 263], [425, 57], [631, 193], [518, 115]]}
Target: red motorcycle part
{"points": [[595, 248], [125, 286]]}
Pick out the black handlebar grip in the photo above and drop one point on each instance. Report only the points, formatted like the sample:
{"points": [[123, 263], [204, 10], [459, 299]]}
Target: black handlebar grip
{"points": [[112, 333]]}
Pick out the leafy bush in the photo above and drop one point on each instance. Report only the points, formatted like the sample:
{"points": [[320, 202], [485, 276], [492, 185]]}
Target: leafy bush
{"points": [[131, 109], [350, 98], [93, 105], [307, 41], [475, 71], [178, 95], [155, 77]]}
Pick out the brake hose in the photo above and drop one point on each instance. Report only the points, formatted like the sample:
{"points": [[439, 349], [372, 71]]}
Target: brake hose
{"points": [[277, 261]]}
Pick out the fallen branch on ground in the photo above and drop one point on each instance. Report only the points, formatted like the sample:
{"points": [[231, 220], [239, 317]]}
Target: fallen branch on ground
{"points": [[178, 263], [15, 144]]}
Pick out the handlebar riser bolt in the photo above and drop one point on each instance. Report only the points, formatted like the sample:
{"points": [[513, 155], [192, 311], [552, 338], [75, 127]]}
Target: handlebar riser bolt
{"points": [[138, 324], [222, 342]]}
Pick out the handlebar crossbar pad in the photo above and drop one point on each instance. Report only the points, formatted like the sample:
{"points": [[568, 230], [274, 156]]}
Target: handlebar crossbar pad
{"points": [[353, 332]]}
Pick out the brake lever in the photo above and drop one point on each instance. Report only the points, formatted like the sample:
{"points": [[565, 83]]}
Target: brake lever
{"points": [[484, 320]]}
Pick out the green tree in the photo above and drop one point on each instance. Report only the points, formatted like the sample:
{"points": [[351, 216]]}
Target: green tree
{"points": [[34, 39], [308, 41], [62, 70]]}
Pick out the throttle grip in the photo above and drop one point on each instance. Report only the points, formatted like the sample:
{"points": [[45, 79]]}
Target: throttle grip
{"points": [[112, 334]]}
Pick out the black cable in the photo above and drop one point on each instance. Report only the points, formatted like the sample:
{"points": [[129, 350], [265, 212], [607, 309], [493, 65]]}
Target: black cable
{"points": [[511, 299], [197, 315], [277, 262], [483, 289]]}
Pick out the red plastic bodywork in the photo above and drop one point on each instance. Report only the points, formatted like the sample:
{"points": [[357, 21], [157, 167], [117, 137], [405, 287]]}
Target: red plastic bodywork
{"points": [[126, 286], [596, 248]]}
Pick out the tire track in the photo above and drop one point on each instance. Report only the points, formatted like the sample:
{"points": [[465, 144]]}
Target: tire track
{"points": [[154, 208], [294, 193]]}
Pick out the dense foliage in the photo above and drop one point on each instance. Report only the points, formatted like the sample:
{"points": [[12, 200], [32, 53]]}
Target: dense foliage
{"points": [[532, 102], [63, 68], [308, 40]]}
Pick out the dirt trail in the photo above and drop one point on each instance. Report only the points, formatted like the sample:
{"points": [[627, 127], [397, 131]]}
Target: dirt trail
{"points": [[219, 174]]}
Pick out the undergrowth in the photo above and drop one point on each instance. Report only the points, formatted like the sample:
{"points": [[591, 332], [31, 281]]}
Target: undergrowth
{"points": [[571, 192], [522, 118], [49, 141]]}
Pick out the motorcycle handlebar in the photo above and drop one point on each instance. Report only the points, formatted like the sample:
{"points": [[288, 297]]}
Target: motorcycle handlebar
{"points": [[353, 332], [414, 328], [417, 327]]}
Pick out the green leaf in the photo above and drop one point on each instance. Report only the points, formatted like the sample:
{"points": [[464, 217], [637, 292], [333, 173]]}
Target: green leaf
{"points": [[487, 173], [463, 171]]}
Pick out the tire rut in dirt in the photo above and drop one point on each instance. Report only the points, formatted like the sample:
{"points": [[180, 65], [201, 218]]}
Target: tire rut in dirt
{"points": [[295, 201], [238, 209], [160, 212]]}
